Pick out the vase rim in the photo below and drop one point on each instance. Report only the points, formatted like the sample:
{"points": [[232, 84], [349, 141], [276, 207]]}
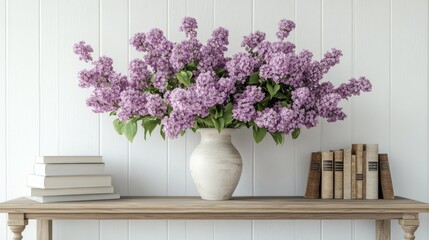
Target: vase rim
{"points": [[225, 130]]}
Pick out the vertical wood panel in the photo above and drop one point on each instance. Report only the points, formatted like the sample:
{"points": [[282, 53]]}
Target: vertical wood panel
{"points": [[22, 97], [371, 58], [148, 230], [78, 126], [274, 165], [49, 77], [308, 36], [3, 64], [114, 147], [408, 101], [337, 33]]}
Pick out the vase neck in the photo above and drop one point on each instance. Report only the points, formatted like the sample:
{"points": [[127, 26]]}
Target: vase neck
{"points": [[212, 135]]}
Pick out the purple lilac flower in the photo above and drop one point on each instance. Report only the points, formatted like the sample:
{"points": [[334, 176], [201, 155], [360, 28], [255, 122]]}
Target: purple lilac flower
{"points": [[160, 80], [185, 52], [285, 27], [207, 90], [155, 105], [107, 98], [104, 65], [300, 96], [277, 67], [268, 118], [185, 100], [354, 87], [177, 121], [83, 51], [132, 104], [328, 107], [88, 78], [227, 85], [212, 54], [139, 42], [251, 41], [266, 50], [137, 103], [330, 59], [244, 109], [240, 66], [139, 74], [188, 26]]}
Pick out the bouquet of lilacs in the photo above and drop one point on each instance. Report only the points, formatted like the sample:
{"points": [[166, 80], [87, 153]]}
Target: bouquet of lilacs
{"points": [[189, 85]]}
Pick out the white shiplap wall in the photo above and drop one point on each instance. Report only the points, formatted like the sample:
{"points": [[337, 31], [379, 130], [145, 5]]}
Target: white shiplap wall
{"points": [[42, 111]]}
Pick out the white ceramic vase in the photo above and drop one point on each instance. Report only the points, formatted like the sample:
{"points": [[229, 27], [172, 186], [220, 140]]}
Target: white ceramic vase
{"points": [[215, 164]]}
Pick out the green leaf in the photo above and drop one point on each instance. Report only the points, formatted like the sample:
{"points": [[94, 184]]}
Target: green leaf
{"points": [[152, 77], [216, 124], [192, 65], [254, 78], [149, 126], [119, 126], [221, 122], [189, 75], [272, 90], [295, 133], [218, 113], [130, 129], [280, 95], [259, 133], [182, 76], [206, 121], [278, 138], [219, 72], [227, 115], [161, 131]]}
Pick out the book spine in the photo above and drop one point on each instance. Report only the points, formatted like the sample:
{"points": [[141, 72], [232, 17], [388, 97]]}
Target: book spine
{"points": [[385, 178], [353, 183], [364, 174], [357, 149], [313, 182], [371, 163], [347, 177], [338, 175], [327, 175]]}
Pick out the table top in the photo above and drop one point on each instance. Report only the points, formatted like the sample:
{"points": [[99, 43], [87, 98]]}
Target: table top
{"points": [[183, 205]]}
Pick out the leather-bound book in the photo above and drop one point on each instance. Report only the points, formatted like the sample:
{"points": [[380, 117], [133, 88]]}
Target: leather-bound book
{"points": [[314, 175]]}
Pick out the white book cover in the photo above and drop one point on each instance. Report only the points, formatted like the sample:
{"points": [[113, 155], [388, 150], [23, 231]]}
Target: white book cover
{"points": [[39, 192], [38, 181], [371, 171], [59, 169], [69, 159], [73, 198]]}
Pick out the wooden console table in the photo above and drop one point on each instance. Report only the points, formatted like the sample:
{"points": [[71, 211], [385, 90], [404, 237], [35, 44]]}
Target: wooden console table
{"points": [[250, 208]]}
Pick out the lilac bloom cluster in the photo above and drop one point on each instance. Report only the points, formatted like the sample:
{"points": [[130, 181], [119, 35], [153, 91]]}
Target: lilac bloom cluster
{"points": [[189, 84], [244, 109]]}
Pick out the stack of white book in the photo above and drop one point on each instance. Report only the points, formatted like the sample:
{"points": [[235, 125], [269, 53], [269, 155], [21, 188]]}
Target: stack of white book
{"points": [[70, 178]]}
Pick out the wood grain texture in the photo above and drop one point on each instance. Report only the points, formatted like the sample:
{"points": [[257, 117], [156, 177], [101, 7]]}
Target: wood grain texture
{"points": [[237, 205], [44, 229], [383, 229]]}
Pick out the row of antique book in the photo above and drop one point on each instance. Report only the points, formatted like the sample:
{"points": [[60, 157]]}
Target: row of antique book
{"points": [[69, 178], [356, 173]]}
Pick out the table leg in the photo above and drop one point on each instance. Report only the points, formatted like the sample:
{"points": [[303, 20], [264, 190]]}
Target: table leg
{"points": [[409, 224], [17, 222], [44, 229], [383, 229]]}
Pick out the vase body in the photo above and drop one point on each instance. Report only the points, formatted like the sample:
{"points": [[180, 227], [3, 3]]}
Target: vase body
{"points": [[215, 164]]}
